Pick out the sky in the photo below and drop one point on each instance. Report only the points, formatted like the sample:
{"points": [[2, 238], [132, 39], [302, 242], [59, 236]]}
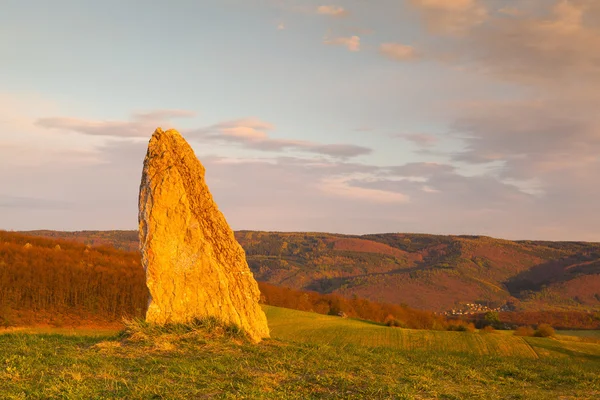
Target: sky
{"points": [[473, 117]]}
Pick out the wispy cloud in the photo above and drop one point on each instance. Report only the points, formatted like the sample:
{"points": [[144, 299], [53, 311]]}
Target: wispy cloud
{"points": [[95, 127], [252, 133], [512, 11], [398, 51], [141, 125], [162, 115], [421, 139], [352, 43], [341, 187], [334, 11], [451, 16]]}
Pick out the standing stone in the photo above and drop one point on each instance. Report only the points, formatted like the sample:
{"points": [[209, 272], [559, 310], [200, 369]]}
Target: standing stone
{"points": [[194, 266]]}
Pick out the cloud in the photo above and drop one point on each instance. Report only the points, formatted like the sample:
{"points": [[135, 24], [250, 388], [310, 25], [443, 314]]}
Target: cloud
{"points": [[314, 194], [357, 30], [356, 198], [96, 128], [162, 115], [252, 129], [334, 11], [23, 143], [339, 150], [421, 169], [532, 138], [397, 51], [551, 126], [252, 133], [451, 16], [340, 187], [420, 139], [459, 191], [352, 43], [142, 125], [549, 49], [537, 131], [514, 12]]}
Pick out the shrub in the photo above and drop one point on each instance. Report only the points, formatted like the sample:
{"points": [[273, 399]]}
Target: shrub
{"points": [[461, 326], [492, 317], [544, 330], [488, 329], [524, 331], [394, 323]]}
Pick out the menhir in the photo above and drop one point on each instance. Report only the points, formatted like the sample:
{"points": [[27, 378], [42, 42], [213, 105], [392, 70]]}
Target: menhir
{"points": [[194, 266]]}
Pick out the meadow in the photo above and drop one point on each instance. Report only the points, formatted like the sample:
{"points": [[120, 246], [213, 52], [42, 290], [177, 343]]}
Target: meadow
{"points": [[308, 356]]}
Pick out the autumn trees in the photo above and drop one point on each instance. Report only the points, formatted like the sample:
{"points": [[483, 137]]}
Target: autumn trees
{"points": [[353, 307], [42, 277]]}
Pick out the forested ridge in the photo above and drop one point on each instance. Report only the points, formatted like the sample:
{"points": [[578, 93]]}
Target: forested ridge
{"points": [[430, 272], [67, 283], [60, 282]]}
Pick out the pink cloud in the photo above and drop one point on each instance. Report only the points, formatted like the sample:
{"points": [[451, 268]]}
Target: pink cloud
{"points": [[334, 11], [141, 125], [165, 114], [398, 51], [341, 187], [451, 16], [352, 43], [252, 133], [421, 139]]}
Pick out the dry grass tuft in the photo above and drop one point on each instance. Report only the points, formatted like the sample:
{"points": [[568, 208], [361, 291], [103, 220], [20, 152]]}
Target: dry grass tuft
{"points": [[107, 345]]}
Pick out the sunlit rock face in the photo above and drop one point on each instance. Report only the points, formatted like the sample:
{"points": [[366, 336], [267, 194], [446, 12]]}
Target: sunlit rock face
{"points": [[194, 266]]}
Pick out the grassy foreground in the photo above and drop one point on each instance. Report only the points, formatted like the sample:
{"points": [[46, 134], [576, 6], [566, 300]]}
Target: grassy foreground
{"points": [[338, 360]]}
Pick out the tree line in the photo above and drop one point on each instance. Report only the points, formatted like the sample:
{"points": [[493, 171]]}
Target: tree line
{"points": [[43, 279], [333, 304], [62, 282]]}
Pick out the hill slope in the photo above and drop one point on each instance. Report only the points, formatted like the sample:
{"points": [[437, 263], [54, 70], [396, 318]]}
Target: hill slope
{"points": [[309, 327], [207, 360], [423, 271]]}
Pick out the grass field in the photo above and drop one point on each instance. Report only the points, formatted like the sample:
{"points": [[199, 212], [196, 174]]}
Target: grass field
{"points": [[309, 356], [579, 333], [316, 328]]}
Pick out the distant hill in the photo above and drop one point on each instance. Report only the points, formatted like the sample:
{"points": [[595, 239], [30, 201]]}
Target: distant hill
{"points": [[49, 281], [122, 240], [431, 272]]}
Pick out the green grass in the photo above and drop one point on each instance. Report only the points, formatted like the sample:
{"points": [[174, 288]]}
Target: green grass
{"points": [[580, 333], [67, 331], [307, 327], [310, 356], [315, 328]]}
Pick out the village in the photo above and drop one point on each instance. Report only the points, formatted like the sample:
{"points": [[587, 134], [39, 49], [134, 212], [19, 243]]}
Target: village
{"points": [[476, 308]]}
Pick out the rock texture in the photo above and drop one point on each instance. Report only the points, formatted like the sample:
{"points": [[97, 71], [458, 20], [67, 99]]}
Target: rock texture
{"points": [[194, 266]]}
